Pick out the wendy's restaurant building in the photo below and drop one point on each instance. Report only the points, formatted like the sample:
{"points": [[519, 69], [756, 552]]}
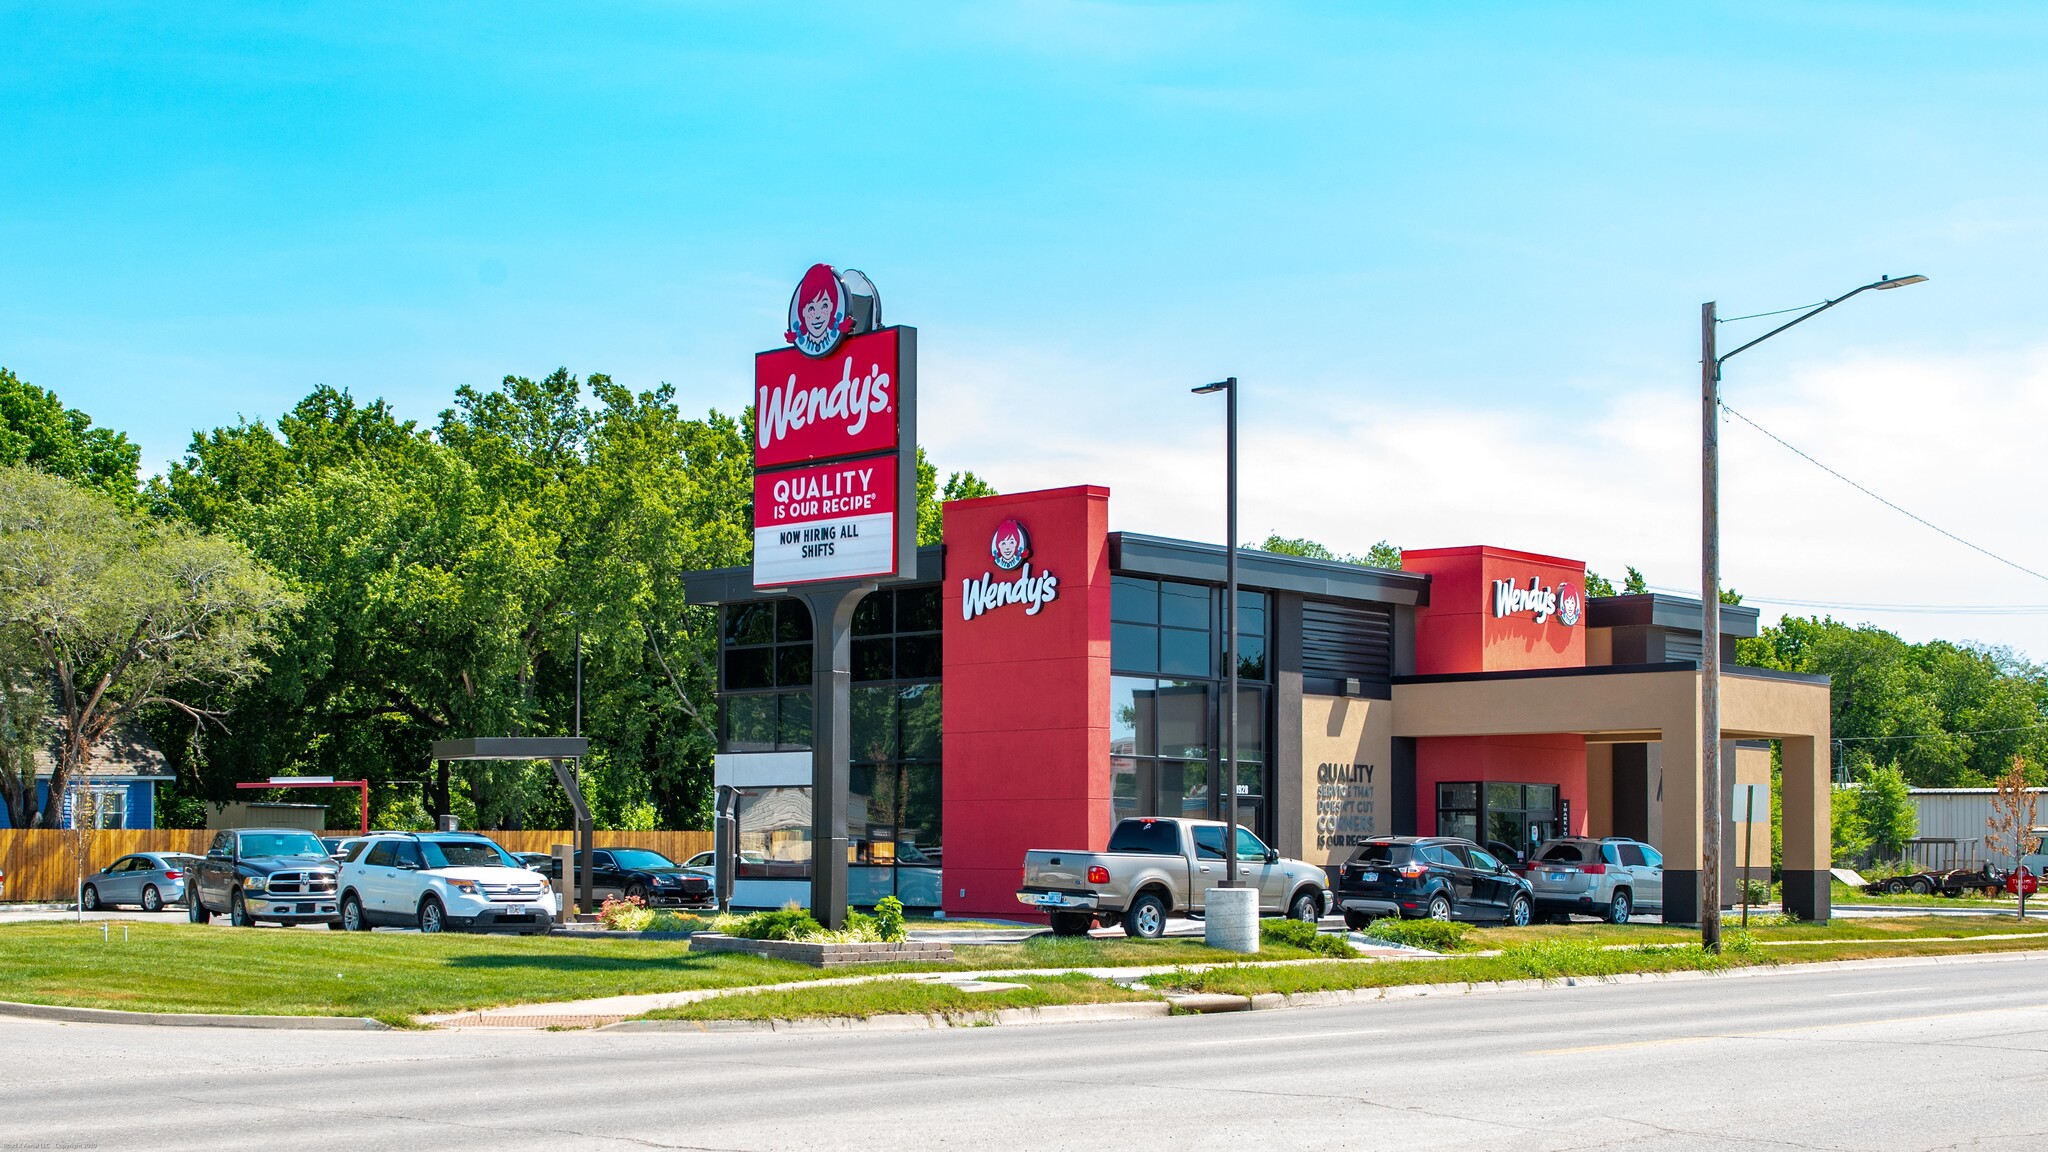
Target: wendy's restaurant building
{"points": [[1040, 676]]}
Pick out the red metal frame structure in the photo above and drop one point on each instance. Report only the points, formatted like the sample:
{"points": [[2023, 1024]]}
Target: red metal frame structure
{"points": [[319, 782]]}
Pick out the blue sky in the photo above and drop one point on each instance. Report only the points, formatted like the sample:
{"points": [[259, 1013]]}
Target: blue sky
{"points": [[1457, 255]]}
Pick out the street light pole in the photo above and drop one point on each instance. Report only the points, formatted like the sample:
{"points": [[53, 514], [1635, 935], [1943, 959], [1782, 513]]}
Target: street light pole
{"points": [[1710, 594], [1229, 389]]}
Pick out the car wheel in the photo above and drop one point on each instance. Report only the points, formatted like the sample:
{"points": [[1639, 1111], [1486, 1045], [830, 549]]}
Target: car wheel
{"points": [[1439, 907], [195, 909], [432, 918], [352, 919], [1357, 921], [1894, 887], [637, 892], [90, 899], [238, 911], [1921, 887], [1618, 909], [1518, 912], [152, 900], [1146, 918], [1307, 908], [1071, 923]]}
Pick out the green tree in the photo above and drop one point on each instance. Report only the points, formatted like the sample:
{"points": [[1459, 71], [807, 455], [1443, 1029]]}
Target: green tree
{"points": [[1380, 555], [36, 429], [120, 616], [1634, 584], [1598, 585], [1884, 812], [931, 498]]}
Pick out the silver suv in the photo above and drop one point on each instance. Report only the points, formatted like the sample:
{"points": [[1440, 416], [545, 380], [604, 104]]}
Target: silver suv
{"points": [[1612, 878]]}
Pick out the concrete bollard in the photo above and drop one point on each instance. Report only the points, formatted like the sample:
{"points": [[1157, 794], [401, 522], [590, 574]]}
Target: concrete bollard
{"points": [[1231, 919]]}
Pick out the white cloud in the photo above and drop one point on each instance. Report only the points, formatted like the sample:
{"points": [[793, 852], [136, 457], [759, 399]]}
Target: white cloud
{"points": [[1954, 440]]}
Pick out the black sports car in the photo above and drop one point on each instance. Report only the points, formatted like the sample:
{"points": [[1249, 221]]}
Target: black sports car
{"points": [[635, 872]]}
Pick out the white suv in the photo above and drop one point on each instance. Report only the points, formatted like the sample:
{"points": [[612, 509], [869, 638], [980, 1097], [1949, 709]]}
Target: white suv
{"points": [[437, 881]]}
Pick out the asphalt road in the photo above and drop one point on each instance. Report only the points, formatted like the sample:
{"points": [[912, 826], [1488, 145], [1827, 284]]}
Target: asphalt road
{"points": [[1902, 1057]]}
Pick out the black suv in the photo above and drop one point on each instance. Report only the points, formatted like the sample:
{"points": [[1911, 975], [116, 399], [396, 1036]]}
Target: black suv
{"points": [[1438, 877], [282, 875]]}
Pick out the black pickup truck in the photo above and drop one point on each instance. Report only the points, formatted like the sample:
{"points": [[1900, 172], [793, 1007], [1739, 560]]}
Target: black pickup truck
{"points": [[280, 875]]}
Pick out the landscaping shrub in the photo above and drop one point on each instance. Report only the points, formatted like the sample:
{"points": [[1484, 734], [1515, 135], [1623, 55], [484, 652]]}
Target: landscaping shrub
{"points": [[787, 924], [1302, 935], [1433, 935], [1757, 891], [633, 915], [889, 919], [1293, 933]]}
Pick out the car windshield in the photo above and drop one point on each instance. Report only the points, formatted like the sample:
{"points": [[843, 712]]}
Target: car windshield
{"points": [[282, 844], [466, 854], [632, 859]]}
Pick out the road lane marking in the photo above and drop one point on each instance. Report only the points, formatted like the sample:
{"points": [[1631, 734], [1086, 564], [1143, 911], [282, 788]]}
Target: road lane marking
{"points": [[1292, 1036]]}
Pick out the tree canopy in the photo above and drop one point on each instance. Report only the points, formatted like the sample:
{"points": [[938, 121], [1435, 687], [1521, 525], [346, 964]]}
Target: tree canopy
{"points": [[36, 429], [1380, 555]]}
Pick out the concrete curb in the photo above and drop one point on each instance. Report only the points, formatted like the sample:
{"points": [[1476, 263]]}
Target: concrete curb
{"points": [[65, 1015], [903, 1022]]}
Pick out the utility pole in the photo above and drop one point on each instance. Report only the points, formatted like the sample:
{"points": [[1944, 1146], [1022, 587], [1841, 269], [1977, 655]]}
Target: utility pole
{"points": [[1710, 634]]}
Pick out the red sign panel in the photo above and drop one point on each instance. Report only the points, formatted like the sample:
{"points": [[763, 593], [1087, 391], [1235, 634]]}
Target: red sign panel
{"points": [[842, 404], [826, 522]]}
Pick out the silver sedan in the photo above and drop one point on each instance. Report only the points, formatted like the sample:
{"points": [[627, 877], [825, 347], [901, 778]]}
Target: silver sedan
{"points": [[148, 880]]}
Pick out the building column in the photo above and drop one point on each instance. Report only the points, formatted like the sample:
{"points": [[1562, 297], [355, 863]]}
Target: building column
{"points": [[1680, 756], [1808, 839]]}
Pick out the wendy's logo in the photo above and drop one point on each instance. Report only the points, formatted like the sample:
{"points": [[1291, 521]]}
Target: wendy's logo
{"points": [[1010, 546], [1568, 603], [828, 306]]}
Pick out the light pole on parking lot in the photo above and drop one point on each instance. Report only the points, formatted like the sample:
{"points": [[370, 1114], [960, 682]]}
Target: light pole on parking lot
{"points": [[1229, 389]]}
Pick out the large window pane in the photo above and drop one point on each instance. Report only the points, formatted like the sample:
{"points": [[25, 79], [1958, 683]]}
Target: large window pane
{"points": [[1503, 796], [1133, 600], [1183, 710], [1457, 795], [1130, 726], [792, 621], [922, 719], [1134, 647], [874, 659], [749, 668], [750, 623], [1123, 787], [1251, 724], [1184, 653], [917, 610], [918, 658], [793, 722], [1183, 789], [1251, 658], [793, 666], [774, 834], [918, 836], [872, 731], [1185, 606], [875, 614], [750, 723]]}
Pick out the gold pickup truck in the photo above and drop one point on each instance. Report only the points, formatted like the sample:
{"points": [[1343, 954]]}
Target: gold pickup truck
{"points": [[1155, 867]]}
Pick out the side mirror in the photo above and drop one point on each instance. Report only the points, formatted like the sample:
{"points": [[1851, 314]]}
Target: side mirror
{"points": [[1272, 855]]}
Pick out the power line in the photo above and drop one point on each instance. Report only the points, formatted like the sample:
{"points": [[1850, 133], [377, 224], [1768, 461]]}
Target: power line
{"points": [[1881, 500], [1927, 609], [1943, 735], [1759, 315]]}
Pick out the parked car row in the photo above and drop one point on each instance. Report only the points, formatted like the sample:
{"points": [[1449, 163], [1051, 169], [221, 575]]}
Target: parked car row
{"points": [[1452, 878], [146, 880]]}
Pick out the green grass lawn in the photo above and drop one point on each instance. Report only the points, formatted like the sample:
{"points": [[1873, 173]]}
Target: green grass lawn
{"points": [[388, 976], [890, 997], [1843, 894]]}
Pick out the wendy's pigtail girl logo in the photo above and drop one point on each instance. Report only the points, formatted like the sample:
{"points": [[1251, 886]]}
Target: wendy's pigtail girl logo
{"points": [[817, 312], [830, 305], [1010, 546]]}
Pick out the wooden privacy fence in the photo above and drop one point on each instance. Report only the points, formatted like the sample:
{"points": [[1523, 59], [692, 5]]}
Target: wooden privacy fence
{"points": [[39, 866]]}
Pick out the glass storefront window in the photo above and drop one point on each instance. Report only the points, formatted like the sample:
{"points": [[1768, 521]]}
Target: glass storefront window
{"points": [[774, 834], [1513, 817]]}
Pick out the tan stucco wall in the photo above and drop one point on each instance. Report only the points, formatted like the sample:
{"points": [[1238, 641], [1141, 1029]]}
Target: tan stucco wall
{"points": [[1343, 789]]}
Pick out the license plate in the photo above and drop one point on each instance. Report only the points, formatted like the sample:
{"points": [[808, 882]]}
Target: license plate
{"points": [[1051, 899], [305, 909], [1558, 876], [1368, 877], [513, 913]]}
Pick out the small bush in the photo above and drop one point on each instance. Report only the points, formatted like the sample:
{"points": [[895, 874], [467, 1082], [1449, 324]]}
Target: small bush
{"points": [[1293, 933], [889, 919], [787, 924], [628, 915], [1334, 946], [1433, 935], [1756, 891]]}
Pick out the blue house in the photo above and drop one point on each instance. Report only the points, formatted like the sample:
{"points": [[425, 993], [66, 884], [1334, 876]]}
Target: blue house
{"points": [[122, 779]]}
